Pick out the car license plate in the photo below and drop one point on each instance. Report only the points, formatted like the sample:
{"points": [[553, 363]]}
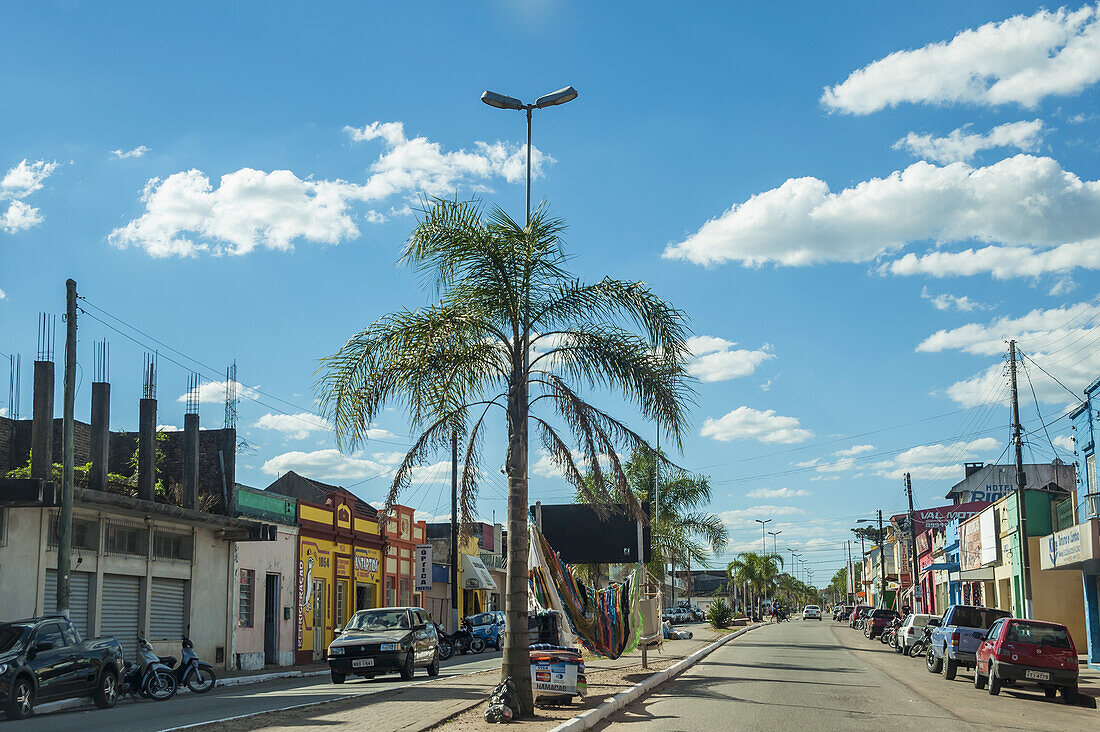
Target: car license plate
{"points": [[1037, 675], [361, 662]]}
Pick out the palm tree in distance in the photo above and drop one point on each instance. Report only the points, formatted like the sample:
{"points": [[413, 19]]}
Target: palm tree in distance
{"points": [[758, 571], [511, 330]]}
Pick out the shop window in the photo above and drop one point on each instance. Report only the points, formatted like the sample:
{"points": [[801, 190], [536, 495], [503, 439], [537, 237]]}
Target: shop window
{"points": [[127, 539], [170, 545], [247, 595]]}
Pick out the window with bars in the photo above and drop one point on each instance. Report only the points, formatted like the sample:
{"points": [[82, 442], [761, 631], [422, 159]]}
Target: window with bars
{"points": [[85, 534], [127, 539], [247, 595], [172, 545]]}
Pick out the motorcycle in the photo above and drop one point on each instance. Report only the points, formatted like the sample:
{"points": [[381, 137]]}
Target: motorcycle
{"points": [[197, 674], [889, 636], [465, 641], [149, 677], [446, 645], [917, 649]]}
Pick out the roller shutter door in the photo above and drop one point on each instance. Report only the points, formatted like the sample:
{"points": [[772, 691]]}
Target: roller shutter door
{"points": [[80, 584], [120, 611], [166, 609]]}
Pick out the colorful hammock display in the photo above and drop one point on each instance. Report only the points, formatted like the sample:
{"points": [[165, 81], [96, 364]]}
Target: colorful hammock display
{"points": [[607, 622]]}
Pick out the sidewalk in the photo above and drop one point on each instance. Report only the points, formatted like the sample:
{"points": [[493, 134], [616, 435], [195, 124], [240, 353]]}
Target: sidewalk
{"points": [[457, 704]]}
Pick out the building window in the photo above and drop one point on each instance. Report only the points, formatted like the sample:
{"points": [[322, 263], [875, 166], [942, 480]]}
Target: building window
{"points": [[127, 539], [173, 546], [341, 604], [248, 586], [391, 593], [85, 533], [406, 592]]}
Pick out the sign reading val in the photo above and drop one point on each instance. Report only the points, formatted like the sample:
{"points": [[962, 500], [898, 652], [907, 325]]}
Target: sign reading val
{"points": [[423, 565], [938, 518]]}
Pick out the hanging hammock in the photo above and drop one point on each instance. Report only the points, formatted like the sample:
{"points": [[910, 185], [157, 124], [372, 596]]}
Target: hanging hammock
{"points": [[607, 622]]}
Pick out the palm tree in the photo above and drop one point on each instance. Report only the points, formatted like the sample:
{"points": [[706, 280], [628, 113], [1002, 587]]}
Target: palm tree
{"points": [[511, 329], [758, 571]]}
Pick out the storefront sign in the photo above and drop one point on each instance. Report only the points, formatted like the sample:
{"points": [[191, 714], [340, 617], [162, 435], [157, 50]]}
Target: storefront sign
{"points": [[1071, 547], [987, 528], [343, 566], [366, 566], [555, 678], [938, 518], [422, 565]]}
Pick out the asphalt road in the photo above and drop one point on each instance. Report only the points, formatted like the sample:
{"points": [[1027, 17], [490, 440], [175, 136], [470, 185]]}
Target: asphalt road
{"points": [[809, 675], [143, 715]]}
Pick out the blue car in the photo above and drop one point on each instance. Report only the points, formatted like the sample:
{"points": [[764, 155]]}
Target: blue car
{"points": [[488, 626]]}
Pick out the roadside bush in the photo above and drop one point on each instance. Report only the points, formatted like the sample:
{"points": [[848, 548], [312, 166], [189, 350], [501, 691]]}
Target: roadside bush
{"points": [[720, 614]]}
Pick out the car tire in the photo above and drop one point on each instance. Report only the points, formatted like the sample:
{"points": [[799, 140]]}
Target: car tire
{"points": [[21, 702], [106, 691], [1069, 695], [433, 667], [979, 679], [994, 681], [934, 664], [408, 668], [337, 677], [950, 668]]}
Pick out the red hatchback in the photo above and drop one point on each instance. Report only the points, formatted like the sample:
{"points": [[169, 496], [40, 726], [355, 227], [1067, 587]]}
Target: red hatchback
{"points": [[1028, 651]]}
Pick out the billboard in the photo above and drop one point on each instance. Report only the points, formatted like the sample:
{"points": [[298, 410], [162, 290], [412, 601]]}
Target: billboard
{"points": [[580, 536], [970, 545], [938, 518], [987, 530]]}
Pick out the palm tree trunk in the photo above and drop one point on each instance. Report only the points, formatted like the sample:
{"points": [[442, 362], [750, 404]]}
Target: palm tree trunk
{"points": [[517, 658]]}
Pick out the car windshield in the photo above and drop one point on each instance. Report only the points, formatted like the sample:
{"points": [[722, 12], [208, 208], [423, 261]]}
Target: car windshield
{"points": [[1039, 634], [379, 620], [977, 617], [482, 619], [10, 636]]}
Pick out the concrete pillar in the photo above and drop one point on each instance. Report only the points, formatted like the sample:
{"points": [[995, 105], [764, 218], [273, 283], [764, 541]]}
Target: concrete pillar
{"points": [[190, 460], [42, 427], [227, 457], [147, 449], [100, 437]]}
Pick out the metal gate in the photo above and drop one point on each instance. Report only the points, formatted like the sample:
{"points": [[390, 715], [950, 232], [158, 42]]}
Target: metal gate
{"points": [[271, 619], [80, 584], [167, 602], [120, 611], [318, 619]]}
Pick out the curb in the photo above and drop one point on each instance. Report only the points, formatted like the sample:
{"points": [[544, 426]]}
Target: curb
{"points": [[589, 719]]}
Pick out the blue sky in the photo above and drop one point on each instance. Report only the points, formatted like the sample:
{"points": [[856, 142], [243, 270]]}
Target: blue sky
{"points": [[855, 206]]}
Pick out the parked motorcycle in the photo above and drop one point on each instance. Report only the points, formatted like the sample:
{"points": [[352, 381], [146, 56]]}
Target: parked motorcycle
{"points": [[197, 674], [446, 645], [148, 677], [917, 649], [465, 641]]}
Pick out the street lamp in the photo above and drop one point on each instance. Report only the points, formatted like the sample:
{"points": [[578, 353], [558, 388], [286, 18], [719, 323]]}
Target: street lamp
{"points": [[553, 99], [763, 537], [774, 534], [881, 552]]}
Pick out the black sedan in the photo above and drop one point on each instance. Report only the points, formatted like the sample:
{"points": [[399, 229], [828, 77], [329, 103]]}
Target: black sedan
{"points": [[385, 640]]}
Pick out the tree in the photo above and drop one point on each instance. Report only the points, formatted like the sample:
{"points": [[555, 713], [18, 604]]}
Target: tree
{"points": [[511, 330], [758, 571], [870, 534]]}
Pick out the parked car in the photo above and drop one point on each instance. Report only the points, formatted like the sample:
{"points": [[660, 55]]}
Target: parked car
{"points": [[385, 640], [877, 620], [955, 639], [857, 613], [842, 611], [44, 659], [1029, 651], [489, 626], [910, 631], [811, 612]]}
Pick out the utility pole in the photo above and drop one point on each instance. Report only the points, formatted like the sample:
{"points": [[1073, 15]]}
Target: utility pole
{"points": [[912, 537], [65, 520], [454, 531], [882, 557], [1021, 482], [851, 580]]}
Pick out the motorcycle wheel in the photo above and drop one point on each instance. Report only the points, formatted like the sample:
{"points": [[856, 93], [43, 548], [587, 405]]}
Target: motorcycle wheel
{"points": [[201, 680], [160, 686], [446, 650], [476, 645]]}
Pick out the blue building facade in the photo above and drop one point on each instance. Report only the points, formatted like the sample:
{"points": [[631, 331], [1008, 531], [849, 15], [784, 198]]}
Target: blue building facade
{"points": [[1086, 425]]}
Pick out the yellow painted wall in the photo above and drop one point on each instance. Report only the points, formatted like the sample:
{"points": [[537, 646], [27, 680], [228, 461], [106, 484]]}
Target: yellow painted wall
{"points": [[1057, 595]]}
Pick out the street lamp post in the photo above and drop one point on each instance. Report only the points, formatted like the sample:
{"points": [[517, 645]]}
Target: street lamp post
{"points": [[503, 101], [763, 535], [774, 534]]}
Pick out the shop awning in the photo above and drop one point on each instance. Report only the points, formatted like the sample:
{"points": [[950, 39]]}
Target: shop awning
{"points": [[475, 576]]}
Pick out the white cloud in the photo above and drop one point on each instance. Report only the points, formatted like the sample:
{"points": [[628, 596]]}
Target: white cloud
{"points": [[1064, 442], [1061, 340], [19, 216], [1024, 203], [3, 295], [213, 392], [961, 145], [946, 301], [137, 152], [26, 178], [1020, 60], [4, 412], [167, 428], [715, 359], [938, 461], [745, 517], [185, 214], [294, 426], [777, 493], [328, 464], [854, 450], [389, 458], [746, 423]]}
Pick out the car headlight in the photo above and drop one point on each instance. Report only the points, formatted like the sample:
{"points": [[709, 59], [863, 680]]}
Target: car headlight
{"points": [[336, 651], [389, 646]]}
